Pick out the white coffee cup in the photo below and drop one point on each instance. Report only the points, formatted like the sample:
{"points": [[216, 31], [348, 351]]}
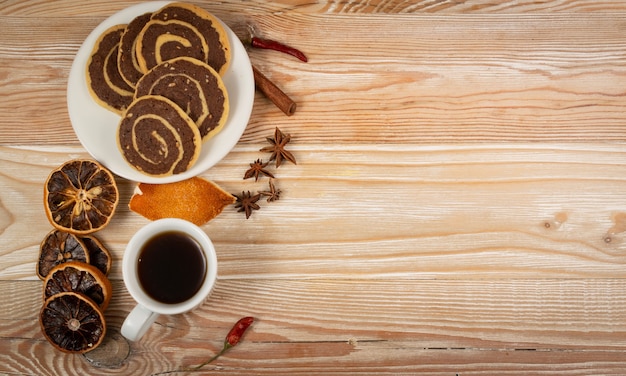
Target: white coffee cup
{"points": [[148, 308]]}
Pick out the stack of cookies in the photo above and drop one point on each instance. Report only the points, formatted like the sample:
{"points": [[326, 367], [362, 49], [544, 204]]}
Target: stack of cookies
{"points": [[162, 72]]}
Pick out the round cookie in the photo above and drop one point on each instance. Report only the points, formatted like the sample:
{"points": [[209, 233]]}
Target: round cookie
{"points": [[126, 58], [104, 81], [219, 50], [193, 86], [156, 137], [160, 41]]}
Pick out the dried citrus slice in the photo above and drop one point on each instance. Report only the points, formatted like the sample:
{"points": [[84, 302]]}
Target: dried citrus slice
{"points": [[80, 196], [59, 247], [196, 200], [79, 277], [72, 322], [99, 255]]}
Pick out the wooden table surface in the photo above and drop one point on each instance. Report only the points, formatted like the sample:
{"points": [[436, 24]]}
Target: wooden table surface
{"points": [[458, 206]]}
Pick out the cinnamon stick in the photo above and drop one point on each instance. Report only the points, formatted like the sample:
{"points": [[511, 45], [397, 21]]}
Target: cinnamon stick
{"points": [[273, 93]]}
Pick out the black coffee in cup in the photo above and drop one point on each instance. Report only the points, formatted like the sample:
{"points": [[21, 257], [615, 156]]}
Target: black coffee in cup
{"points": [[171, 267]]}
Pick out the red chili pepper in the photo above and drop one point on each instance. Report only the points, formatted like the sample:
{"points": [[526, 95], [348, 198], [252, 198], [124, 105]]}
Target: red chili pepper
{"points": [[235, 334], [277, 46], [232, 338]]}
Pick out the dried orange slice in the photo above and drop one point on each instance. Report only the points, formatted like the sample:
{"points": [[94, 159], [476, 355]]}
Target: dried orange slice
{"points": [[80, 196], [72, 322], [99, 255], [196, 200], [79, 277], [59, 247]]}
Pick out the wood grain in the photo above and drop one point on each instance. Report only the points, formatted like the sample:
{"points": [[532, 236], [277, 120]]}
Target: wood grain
{"points": [[457, 207], [501, 250], [457, 212], [378, 326], [557, 77], [38, 8]]}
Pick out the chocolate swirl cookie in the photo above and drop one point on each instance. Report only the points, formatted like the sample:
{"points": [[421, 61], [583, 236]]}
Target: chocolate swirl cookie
{"points": [[104, 81], [160, 41], [157, 137], [126, 57], [207, 25], [193, 86]]}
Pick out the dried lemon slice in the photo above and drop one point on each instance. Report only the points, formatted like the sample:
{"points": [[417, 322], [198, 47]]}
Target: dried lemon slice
{"points": [[59, 247], [80, 196], [99, 255], [79, 277], [72, 322]]}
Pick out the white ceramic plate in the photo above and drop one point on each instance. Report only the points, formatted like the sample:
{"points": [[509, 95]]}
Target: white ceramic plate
{"points": [[96, 127]]}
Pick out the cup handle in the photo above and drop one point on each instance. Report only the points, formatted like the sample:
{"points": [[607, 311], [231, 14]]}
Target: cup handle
{"points": [[138, 322]]}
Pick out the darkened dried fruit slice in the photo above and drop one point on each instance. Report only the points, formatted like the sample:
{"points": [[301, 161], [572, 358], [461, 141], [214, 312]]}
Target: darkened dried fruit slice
{"points": [[72, 322], [79, 277], [59, 247], [80, 196], [99, 255]]}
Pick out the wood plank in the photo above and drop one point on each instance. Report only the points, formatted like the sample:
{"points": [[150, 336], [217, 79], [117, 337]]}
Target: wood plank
{"points": [[520, 79], [468, 212], [469, 7], [524, 78], [46, 9], [370, 326], [457, 208]]}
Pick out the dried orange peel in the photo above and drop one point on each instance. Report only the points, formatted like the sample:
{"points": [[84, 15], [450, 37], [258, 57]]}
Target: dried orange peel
{"points": [[196, 200]]}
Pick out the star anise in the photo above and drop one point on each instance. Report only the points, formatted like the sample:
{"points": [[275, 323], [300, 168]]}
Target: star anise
{"points": [[278, 148], [247, 203], [257, 168], [273, 194]]}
